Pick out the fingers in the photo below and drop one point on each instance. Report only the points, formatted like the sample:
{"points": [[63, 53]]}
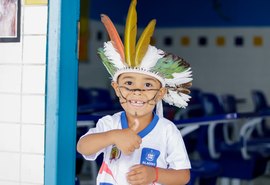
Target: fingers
{"points": [[127, 140], [136, 166], [131, 149], [141, 175], [136, 144], [135, 170], [137, 175]]}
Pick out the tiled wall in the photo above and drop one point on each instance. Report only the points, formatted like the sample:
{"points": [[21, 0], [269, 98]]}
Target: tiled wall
{"points": [[22, 98]]}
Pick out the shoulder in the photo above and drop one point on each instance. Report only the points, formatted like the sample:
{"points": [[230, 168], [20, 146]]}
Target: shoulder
{"points": [[110, 121], [164, 122], [114, 117], [168, 126]]}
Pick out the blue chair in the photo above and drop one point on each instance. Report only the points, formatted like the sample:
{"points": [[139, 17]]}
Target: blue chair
{"points": [[203, 172], [229, 103], [261, 106], [259, 133], [94, 99], [211, 106], [231, 130], [228, 155], [259, 101], [193, 110]]}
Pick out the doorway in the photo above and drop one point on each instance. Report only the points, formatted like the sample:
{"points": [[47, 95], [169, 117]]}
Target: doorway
{"points": [[61, 92]]}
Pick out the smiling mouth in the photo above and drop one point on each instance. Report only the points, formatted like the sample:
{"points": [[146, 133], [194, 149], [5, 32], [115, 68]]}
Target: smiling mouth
{"points": [[136, 103]]}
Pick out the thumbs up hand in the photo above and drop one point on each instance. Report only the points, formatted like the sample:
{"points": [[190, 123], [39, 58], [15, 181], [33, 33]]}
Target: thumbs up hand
{"points": [[127, 140], [135, 125]]}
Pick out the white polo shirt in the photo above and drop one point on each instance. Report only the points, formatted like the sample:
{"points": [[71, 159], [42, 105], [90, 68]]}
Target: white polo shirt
{"points": [[162, 146]]}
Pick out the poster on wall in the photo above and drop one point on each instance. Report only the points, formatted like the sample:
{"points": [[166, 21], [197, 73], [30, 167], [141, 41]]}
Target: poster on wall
{"points": [[10, 20]]}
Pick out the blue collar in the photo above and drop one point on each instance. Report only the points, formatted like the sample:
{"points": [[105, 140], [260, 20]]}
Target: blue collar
{"points": [[146, 130]]}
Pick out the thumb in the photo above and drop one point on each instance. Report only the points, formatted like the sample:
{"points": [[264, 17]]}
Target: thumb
{"points": [[135, 125]]}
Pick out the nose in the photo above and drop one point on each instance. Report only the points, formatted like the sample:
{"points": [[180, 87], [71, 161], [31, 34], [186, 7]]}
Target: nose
{"points": [[137, 91]]}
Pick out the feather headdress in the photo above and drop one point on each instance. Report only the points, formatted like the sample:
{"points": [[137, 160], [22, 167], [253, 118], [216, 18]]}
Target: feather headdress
{"points": [[173, 72]]}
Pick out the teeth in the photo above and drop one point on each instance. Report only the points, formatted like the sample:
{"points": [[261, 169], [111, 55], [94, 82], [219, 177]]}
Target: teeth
{"points": [[136, 102]]}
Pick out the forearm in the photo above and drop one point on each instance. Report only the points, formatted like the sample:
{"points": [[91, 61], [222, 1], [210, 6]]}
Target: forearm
{"points": [[93, 143], [173, 177]]}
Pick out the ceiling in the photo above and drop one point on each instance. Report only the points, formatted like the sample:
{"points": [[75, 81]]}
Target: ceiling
{"points": [[187, 13]]}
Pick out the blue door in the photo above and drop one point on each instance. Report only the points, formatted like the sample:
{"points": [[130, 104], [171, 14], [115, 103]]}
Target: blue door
{"points": [[61, 92]]}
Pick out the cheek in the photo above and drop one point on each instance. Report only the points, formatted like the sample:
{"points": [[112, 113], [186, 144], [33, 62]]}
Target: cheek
{"points": [[116, 90], [162, 93], [157, 96]]}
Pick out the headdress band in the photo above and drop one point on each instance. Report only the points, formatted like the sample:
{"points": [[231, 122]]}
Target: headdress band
{"points": [[173, 72]]}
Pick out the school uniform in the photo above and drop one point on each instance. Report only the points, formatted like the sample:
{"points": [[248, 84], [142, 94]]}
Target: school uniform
{"points": [[162, 146]]}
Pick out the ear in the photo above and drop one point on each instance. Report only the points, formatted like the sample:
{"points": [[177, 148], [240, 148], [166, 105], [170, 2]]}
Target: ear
{"points": [[115, 87], [161, 93]]}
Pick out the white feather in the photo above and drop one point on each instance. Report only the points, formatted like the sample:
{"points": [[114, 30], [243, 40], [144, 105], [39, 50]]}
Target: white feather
{"points": [[151, 57], [180, 78], [186, 73], [185, 97], [113, 55], [178, 100]]}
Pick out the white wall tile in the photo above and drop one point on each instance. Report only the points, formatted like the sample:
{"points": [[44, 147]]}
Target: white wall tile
{"points": [[10, 166], [10, 137], [10, 78], [10, 108], [33, 108], [33, 79], [17, 168], [32, 168], [11, 52], [35, 20], [9, 183], [34, 49], [33, 139]]}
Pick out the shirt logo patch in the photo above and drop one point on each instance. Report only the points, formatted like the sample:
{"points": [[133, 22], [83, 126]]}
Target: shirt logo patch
{"points": [[115, 153], [149, 157]]}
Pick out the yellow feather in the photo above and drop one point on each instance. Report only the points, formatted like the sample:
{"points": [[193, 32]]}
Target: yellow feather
{"points": [[130, 34], [144, 41]]}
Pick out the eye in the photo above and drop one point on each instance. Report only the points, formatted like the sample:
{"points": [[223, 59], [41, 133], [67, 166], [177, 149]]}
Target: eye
{"points": [[148, 85], [128, 83]]}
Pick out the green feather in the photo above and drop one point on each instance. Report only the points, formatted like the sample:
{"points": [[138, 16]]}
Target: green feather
{"points": [[107, 63], [170, 64]]}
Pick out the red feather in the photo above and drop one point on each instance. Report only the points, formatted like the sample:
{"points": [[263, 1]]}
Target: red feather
{"points": [[113, 34]]}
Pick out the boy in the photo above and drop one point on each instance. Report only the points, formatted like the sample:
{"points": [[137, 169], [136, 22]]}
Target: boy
{"points": [[140, 147]]}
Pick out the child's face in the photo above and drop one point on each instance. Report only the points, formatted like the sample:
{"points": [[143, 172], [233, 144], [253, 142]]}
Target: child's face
{"points": [[138, 93]]}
